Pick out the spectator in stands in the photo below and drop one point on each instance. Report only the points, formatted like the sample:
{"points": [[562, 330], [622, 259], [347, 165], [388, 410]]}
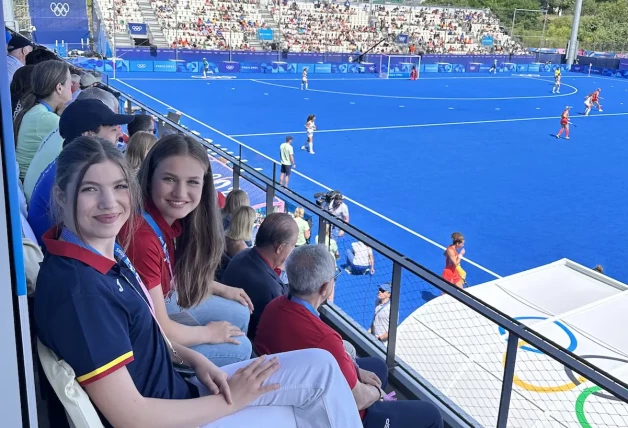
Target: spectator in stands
{"points": [[51, 146], [240, 230], [89, 117], [286, 153], [41, 107], [304, 226], [180, 203], [76, 86], [257, 270], [137, 148], [89, 80], [40, 54], [93, 313], [360, 260], [292, 322], [381, 320], [339, 209], [17, 48], [20, 85], [141, 123], [235, 199]]}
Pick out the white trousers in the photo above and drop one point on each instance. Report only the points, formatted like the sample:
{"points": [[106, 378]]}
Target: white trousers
{"points": [[313, 394]]}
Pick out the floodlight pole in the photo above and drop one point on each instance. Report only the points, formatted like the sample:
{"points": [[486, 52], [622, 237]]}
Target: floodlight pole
{"points": [[572, 48]]}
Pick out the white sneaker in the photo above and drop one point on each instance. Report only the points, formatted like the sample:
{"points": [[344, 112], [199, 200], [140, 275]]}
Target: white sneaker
{"points": [[311, 153], [600, 110], [303, 148], [566, 138], [558, 136]]}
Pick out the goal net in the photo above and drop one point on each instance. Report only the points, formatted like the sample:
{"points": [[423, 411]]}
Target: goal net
{"points": [[398, 66]]}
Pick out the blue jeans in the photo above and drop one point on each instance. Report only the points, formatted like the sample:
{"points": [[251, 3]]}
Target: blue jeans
{"points": [[216, 308], [406, 413]]}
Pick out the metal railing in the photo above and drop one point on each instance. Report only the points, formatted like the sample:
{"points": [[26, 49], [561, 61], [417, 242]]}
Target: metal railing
{"points": [[482, 367]]}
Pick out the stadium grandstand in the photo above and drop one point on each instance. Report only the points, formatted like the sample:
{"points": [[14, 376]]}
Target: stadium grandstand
{"points": [[165, 263]]}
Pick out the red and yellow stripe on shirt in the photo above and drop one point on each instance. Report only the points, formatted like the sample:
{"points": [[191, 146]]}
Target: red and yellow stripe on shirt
{"points": [[104, 370]]}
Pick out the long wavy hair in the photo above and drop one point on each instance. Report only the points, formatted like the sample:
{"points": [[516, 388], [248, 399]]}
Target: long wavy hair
{"points": [[201, 244], [44, 80]]}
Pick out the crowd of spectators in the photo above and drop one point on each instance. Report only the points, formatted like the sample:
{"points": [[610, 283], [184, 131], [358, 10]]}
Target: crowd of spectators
{"points": [[116, 14], [209, 24], [152, 293], [320, 26]]}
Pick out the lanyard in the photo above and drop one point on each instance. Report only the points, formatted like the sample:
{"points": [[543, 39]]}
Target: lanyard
{"points": [[381, 307], [306, 305], [153, 224], [45, 104], [70, 237]]}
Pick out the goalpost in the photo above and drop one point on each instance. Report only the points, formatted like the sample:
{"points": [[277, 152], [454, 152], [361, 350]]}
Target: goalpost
{"points": [[398, 66]]}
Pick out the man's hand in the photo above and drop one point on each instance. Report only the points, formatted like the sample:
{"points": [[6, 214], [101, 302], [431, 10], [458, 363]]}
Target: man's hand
{"points": [[369, 378]]}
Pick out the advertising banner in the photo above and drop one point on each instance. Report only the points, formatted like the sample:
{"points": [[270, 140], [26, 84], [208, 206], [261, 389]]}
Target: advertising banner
{"points": [[265, 34], [169, 66], [322, 68], [137, 29], [142, 66], [229, 67], [65, 20], [250, 67], [474, 67], [487, 40]]}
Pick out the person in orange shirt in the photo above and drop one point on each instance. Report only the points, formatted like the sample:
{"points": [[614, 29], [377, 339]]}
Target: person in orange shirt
{"points": [[453, 256], [564, 123]]}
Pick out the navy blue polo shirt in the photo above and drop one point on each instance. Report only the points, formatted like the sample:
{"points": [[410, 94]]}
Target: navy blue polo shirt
{"points": [[91, 312], [39, 213]]}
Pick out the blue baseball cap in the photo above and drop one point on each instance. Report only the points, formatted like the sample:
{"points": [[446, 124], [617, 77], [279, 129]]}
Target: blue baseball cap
{"points": [[385, 287], [86, 115]]}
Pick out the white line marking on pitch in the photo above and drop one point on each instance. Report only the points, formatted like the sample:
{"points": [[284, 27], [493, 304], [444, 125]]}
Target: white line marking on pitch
{"points": [[418, 98], [427, 125], [364, 207]]}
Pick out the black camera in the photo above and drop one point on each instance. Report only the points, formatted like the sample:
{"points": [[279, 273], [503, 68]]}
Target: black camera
{"points": [[324, 199]]}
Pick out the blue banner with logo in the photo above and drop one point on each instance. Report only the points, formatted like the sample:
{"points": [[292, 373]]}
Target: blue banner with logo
{"points": [[170, 66], [474, 67], [229, 67], [58, 21], [322, 68], [265, 34], [402, 38], [137, 29], [250, 67], [487, 40], [141, 65]]}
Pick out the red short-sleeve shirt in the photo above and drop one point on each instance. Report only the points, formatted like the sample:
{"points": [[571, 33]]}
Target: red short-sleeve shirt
{"points": [[288, 326], [146, 253]]}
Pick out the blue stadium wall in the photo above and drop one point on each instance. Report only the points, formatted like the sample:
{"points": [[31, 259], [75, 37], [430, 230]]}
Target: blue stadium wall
{"points": [[142, 60], [59, 21]]}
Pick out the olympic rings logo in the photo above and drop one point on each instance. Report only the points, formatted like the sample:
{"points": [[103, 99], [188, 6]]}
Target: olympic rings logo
{"points": [[230, 67], [575, 381], [140, 65], [59, 9], [136, 28]]}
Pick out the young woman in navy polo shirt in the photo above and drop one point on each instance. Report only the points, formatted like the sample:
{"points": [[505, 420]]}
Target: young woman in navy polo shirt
{"points": [[93, 311], [181, 237]]}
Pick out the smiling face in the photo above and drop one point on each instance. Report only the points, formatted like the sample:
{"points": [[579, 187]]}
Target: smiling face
{"points": [[176, 186], [103, 203]]}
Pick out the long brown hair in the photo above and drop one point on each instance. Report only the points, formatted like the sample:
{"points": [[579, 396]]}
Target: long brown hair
{"points": [[72, 165], [44, 80], [137, 147], [201, 244]]}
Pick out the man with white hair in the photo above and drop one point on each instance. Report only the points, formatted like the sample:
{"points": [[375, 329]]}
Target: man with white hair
{"points": [[292, 322]]}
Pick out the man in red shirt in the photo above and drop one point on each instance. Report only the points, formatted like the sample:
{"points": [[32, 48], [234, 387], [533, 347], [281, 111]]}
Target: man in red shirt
{"points": [[292, 322]]}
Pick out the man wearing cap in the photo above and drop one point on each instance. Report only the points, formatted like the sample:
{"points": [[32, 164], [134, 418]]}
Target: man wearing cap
{"points": [[82, 117], [292, 322], [379, 326], [17, 49], [88, 80]]}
